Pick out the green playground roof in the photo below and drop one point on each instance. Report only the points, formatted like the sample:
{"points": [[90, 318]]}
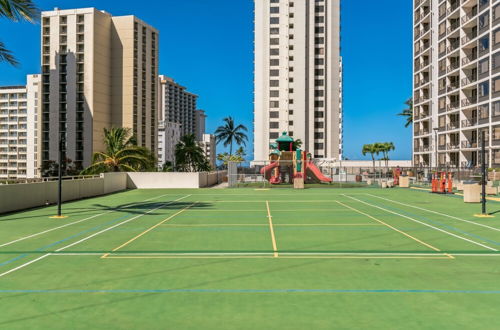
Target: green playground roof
{"points": [[284, 138]]}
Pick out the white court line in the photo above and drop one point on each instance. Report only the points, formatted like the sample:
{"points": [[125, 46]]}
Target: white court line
{"points": [[66, 225], [90, 236], [438, 213], [282, 254], [425, 224], [25, 264], [49, 230]]}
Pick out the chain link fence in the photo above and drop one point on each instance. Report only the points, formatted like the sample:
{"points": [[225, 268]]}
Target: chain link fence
{"points": [[258, 174]]}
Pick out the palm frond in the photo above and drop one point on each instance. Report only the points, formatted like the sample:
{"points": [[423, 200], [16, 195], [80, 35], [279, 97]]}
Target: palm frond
{"points": [[6, 56], [19, 10]]}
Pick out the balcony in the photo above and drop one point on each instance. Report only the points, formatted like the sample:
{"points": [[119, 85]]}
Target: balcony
{"points": [[452, 106], [468, 101], [468, 37], [468, 16], [452, 87], [466, 60], [452, 125], [452, 47], [469, 122], [452, 67], [452, 146], [469, 80]]}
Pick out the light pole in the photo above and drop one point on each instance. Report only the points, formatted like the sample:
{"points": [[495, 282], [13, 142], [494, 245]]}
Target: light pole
{"points": [[59, 181], [436, 129]]}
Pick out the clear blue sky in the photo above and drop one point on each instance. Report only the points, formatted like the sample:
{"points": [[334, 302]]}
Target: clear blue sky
{"points": [[207, 45]]}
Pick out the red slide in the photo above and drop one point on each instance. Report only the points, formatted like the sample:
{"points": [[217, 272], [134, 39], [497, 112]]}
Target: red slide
{"points": [[268, 170], [316, 173]]}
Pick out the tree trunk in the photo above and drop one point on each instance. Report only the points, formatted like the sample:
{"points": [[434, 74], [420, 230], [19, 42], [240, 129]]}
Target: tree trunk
{"points": [[231, 148]]}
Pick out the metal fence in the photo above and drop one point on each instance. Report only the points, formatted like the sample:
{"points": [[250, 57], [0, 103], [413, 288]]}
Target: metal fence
{"points": [[343, 176]]}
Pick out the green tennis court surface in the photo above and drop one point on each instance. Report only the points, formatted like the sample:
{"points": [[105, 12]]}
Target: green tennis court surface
{"points": [[252, 259]]}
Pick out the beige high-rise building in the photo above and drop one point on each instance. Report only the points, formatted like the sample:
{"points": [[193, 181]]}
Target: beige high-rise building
{"points": [[98, 71], [456, 87], [19, 111], [298, 75], [177, 105]]}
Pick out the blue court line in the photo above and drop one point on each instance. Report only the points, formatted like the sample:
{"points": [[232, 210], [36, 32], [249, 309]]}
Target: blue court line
{"points": [[70, 237], [256, 291], [437, 223]]}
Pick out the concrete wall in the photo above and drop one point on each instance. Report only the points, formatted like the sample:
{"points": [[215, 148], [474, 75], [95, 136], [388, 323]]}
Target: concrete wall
{"points": [[166, 180], [24, 196]]}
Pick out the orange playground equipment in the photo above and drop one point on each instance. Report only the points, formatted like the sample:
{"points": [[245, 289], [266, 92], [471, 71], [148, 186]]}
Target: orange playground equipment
{"points": [[289, 164], [442, 183]]}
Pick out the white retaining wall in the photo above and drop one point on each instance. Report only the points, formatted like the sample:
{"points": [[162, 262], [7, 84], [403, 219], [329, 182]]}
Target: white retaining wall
{"points": [[16, 197]]}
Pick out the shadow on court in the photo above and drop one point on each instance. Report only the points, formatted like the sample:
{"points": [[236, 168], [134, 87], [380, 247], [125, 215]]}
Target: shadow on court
{"points": [[94, 209]]}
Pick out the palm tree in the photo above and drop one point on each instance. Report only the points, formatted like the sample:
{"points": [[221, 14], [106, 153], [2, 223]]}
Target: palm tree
{"points": [[229, 133], [372, 149], [16, 10], [189, 156], [386, 148], [121, 155], [297, 144], [408, 113]]}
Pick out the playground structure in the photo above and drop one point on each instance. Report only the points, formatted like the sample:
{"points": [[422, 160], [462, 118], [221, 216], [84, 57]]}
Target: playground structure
{"points": [[442, 183], [292, 165]]}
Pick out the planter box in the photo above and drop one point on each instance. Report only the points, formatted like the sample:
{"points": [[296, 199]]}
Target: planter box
{"points": [[404, 181], [472, 193]]}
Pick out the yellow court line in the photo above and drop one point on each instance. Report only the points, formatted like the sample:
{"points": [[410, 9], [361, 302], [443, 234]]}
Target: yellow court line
{"points": [[149, 229], [274, 210], [281, 257], [273, 238], [395, 229], [275, 224]]}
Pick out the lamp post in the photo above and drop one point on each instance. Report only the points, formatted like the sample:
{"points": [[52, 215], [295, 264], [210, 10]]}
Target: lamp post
{"points": [[59, 176], [436, 129]]}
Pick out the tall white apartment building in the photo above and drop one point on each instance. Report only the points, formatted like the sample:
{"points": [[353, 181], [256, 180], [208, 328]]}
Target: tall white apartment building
{"points": [[298, 75], [209, 146], [98, 71], [169, 134], [456, 85], [19, 157], [200, 119]]}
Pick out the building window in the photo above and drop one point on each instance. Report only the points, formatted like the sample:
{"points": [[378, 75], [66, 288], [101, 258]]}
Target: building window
{"points": [[274, 104], [319, 93], [274, 41], [274, 31], [496, 60], [274, 135], [319, 114], [274, 93], [275, 10], [319, 125], [274, 51], [496, 84], [274, 83], [496, 36], [318, 135], [484, 89], [484, 66], [274, 73], [484, 43], [275, 20], [274, 124], [274, 114]]}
